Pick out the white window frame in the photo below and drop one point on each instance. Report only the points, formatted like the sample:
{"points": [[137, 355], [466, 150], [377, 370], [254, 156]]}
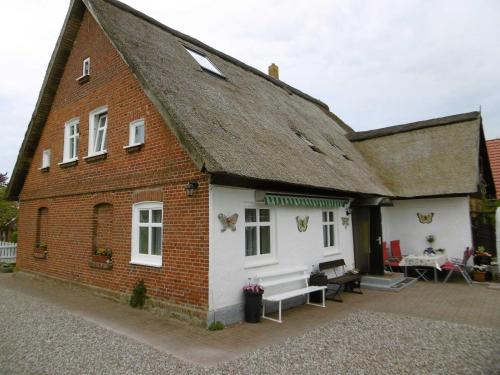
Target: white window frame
{"points": [[69, 139], [330, 249], [258, 224], [132, 126], [86, 67], [136, 257], [204, 62], [46, 156], [93, 122]]}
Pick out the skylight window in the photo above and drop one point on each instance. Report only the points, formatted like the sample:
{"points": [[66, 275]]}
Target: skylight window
{"points": [[204, 62]]}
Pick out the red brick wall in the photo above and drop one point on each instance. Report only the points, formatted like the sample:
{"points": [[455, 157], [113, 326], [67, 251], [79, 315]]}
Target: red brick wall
{"points": [[159, 171]]}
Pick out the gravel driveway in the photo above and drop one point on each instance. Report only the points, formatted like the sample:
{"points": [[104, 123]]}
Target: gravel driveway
{"points": [[40, 338]]}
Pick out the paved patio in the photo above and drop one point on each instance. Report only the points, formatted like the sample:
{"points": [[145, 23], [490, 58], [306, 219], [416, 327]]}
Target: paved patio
{"points": [[477, 306]]}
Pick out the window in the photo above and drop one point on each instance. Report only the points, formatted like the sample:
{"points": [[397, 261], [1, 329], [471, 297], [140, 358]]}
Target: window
{"points": [[97, 131], [328, 229], [136, 136], [147, 228], [71, 139], [204, 62], [257, 231], [86, 67], [46, 158]]}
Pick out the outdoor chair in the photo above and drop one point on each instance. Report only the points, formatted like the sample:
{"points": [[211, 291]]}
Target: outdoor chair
{"points": [[396, 250], [388, 261], [458, 265]]}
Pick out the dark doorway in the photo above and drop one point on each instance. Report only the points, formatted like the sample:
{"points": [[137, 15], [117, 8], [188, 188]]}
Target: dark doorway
{"points": [[367, 233]]}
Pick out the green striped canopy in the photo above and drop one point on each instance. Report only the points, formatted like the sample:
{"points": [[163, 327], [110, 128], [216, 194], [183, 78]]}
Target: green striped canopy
{"points": [[290, 200]]}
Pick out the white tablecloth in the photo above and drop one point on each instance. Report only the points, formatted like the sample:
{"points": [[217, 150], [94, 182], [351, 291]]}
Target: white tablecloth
{"points": [[435, 261]]}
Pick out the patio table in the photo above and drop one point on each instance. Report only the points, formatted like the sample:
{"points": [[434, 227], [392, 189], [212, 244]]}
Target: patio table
{"points": [[433, 261]]}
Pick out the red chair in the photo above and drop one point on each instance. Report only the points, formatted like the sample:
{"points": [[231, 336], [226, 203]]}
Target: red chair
{"points": [[388, 261], [458, 265], [396, 250]]}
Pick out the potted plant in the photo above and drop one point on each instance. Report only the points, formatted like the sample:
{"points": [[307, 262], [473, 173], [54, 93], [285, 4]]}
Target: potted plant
{"points": [[317, 278], [479, 272], [481, 256], [102, 255], [253, 302], [40, 251]]}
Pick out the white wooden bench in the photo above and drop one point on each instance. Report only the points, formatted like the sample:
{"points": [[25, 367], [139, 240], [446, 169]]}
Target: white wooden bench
{"points": [[284, 280]]}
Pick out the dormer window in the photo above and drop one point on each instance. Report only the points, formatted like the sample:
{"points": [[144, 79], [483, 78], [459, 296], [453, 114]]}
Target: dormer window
{"points": [[204, 62], [86, 67]]}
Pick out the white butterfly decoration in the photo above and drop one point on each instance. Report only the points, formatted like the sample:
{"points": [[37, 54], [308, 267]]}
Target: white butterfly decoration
{"points": [[228, 221]]}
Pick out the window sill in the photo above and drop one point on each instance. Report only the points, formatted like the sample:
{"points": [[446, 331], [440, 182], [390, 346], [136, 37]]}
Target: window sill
{"points": [[83, 79], [145, 263], [260, 263], [332, 253], [133, 148], [44, 169], [96, 157], [69, 163]]}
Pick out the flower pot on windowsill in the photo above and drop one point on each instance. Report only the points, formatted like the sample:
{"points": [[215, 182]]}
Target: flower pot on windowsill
{"points": [[40, 253], [101, 259]]}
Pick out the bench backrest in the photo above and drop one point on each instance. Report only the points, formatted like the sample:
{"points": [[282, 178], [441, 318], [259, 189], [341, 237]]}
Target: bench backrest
{"points": [[333, 265], [288, 279]]}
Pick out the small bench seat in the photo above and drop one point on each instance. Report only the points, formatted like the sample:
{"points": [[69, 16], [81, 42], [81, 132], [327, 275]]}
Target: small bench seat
{"points": [[346, 281], [293, 293], [286, 279]]}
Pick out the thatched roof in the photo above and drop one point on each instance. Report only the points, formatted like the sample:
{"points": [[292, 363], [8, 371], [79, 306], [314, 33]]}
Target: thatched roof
{"points": [[246, 125], [493, 146], [427, 158]]}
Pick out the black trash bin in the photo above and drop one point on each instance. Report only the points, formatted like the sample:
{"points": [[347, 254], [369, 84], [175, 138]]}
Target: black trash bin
{"points": [[253, 307], [317, 279]]}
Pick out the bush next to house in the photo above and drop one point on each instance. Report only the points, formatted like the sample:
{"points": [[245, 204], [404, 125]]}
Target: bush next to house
{"points": [[138, 297]]}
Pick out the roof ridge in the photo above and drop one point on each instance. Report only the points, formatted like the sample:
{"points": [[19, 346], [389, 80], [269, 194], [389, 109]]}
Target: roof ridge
{"points": [[200, 44], [395, 129]]}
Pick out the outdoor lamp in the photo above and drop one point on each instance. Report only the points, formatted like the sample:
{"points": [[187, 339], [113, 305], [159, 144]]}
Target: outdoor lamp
{"points": [[191, 186]]}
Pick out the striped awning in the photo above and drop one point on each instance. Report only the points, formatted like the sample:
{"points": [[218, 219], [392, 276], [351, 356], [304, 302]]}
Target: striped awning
{"points": [[293, 200]]}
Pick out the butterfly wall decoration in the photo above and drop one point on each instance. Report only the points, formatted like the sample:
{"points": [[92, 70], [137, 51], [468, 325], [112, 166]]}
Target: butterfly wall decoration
{"points": [[228, 221], [425, 218], [302, 223]]}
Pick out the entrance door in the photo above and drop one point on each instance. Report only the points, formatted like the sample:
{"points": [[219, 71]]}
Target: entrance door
{"points": [[376, 257], [367, 233]]}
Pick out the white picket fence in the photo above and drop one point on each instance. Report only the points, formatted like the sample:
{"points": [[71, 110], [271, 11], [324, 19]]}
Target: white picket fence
{"points": [[8, 252]]}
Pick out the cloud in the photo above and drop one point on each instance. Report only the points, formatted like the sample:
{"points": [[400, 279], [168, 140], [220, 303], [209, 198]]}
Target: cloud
{"points": [[375, 63]]}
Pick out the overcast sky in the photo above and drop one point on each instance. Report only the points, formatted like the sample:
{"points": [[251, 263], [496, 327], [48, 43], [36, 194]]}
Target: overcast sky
{"points": [[375, 63]]}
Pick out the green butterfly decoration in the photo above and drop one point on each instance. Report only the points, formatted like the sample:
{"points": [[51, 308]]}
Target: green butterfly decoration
{"points": [[302, 223]]}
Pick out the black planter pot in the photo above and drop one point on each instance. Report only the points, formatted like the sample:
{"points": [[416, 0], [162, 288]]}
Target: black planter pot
{"points": [[253, 307], [318, 279], [482, 259]]}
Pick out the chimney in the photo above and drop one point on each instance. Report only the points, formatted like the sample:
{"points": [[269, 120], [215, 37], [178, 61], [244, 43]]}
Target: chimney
{"points": [[274, 71]]}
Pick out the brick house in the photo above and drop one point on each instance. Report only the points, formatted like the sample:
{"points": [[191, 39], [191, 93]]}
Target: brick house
{"points": [[145, 141]]}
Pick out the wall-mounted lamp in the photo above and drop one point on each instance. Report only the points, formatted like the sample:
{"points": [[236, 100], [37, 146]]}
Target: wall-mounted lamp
{"points": [[191, 186], [348, 211]]}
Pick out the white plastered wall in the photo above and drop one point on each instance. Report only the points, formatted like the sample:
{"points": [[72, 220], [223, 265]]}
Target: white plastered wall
{"points": [[229, 269], [451, 225]]}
